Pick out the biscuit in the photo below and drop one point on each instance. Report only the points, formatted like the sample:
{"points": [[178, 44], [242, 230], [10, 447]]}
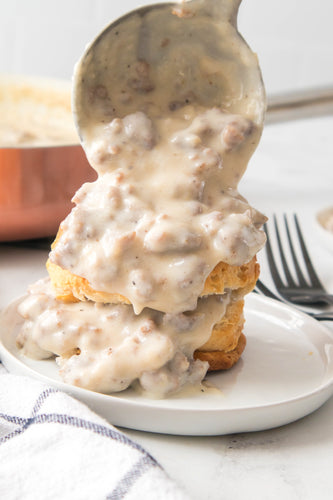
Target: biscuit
{"points": [[221, 360], [70, 287], [226, 332], [227, 341], [238, 278]]}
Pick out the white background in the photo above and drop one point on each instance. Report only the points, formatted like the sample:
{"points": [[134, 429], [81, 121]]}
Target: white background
{"points": [[293, 38]]}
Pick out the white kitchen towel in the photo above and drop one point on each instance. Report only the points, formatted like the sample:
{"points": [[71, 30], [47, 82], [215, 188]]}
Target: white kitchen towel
{"points": [[54, 447]]}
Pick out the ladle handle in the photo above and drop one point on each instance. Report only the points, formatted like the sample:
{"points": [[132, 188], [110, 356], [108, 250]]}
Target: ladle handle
{"points": [[225, 9]]}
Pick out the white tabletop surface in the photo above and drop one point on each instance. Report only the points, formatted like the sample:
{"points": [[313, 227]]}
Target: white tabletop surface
{"points": [[290, 172]]}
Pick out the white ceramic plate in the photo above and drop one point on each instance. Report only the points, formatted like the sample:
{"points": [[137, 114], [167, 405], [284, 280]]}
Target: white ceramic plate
{"points": [[285, 373]]}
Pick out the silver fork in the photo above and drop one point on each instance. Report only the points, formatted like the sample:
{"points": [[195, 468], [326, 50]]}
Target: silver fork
{"points": [[263, 290], [306, 290]]}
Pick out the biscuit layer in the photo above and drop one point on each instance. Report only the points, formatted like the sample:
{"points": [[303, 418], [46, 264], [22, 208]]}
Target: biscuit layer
{"points": [[226, 333], [70, 287], [221, 360]]}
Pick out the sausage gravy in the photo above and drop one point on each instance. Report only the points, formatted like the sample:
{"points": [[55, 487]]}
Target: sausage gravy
{"points": [[164, 211]]}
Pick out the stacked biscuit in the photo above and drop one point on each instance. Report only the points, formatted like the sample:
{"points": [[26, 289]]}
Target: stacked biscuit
{"points": [[227, 341]]}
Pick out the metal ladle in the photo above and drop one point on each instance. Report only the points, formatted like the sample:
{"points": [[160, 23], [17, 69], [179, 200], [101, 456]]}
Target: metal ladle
{"points": [[163, 56]]}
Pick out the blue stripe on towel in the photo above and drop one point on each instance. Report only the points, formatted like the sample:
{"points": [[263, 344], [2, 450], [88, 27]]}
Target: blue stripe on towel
{"points": [[128, 480], [24, 424]]}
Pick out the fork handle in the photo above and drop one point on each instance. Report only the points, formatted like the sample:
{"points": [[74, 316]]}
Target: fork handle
{"points": [[312, 299], [325, 316], [328, 299]]}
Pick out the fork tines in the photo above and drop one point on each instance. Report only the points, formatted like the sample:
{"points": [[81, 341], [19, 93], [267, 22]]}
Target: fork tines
{"points": [[287, 285]]}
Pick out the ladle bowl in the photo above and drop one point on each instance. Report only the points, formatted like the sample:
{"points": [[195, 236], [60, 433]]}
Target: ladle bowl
{"points": [[164, 56]]}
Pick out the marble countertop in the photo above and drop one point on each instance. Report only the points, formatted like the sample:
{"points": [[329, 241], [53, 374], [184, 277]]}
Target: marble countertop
{"points": [[290, 172]]}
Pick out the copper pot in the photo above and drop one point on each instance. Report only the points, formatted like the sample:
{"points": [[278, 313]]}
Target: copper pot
{"points": [[37, 182], [36, 187]]}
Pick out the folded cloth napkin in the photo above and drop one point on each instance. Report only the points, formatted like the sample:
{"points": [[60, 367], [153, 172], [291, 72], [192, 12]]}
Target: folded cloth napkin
{"points": [[54, 447]]}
